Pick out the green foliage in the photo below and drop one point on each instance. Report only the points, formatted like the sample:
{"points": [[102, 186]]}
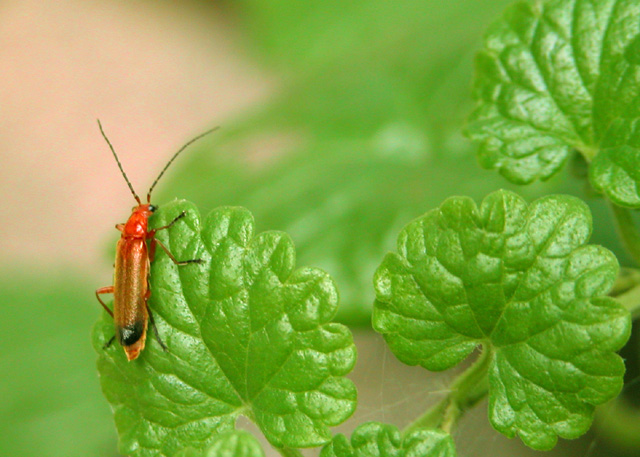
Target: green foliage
{"points": [[364, 129], [557, 76], [237, 443], [301, 36], [362, 134], [374, 439], [521, 281], [343, 206], [246, 334], [615, 171], [50, 403]]}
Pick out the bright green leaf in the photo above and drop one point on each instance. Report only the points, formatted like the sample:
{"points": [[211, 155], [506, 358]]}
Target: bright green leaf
{"points": [[246, 334], [232, 444], [521, 280], [552, 77], [375, 439], [615, 171]]}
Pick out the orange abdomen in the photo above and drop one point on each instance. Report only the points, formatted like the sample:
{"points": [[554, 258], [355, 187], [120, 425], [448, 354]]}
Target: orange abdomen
{"points": [[129, 294]]}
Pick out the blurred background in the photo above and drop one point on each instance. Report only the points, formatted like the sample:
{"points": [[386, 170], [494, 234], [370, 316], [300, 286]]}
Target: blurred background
{"points": [[341, 122]]}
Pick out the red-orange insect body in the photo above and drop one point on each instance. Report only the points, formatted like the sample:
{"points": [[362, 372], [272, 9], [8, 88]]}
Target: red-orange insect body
{"points": [[130, 288], [130, 281]]}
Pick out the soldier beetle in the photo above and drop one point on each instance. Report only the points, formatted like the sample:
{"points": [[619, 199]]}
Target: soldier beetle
{"points": [[130, 287]]}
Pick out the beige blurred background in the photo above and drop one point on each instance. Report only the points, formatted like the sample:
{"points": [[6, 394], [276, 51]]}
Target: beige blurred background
{"points": [[155, 73]]}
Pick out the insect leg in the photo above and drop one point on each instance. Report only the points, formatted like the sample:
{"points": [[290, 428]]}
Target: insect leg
{"points": [[151, 236], [104, 290], [177, 262], [177, 218], [152, 250], [108, 343], [155, 329]]}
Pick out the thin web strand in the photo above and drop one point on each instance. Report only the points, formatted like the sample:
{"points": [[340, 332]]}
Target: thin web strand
{"points": [[189, 143]]}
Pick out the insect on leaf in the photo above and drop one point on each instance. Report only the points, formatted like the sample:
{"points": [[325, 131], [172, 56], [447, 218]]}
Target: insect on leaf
{"points": [[246, 332]]}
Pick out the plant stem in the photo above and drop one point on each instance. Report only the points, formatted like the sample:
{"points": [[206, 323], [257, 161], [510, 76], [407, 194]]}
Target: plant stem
{"points": [[466, 391], [289, 452], [627, 230]]}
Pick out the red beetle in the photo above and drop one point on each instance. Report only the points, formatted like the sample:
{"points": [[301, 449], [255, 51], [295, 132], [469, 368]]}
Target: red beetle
{"points": [[130, 288]]}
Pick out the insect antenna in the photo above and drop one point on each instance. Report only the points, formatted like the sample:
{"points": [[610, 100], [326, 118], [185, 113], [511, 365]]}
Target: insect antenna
{"points": [[119, 164], [189, 143]]}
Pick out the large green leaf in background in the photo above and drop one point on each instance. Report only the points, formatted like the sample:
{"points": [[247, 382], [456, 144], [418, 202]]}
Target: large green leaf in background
{"points": [[298, 35], [357, 140], [50, 401], [343, 206], [247, 334]]}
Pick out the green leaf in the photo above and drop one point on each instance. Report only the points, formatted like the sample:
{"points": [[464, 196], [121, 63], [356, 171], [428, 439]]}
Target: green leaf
{"points": [[246, 334], [233, 444], [374, 439], [552, 77], [523, 282], [615, 171]]}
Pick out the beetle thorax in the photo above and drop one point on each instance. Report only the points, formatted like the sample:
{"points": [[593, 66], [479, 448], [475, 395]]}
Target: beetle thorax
{"points": [[137, 224]]}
